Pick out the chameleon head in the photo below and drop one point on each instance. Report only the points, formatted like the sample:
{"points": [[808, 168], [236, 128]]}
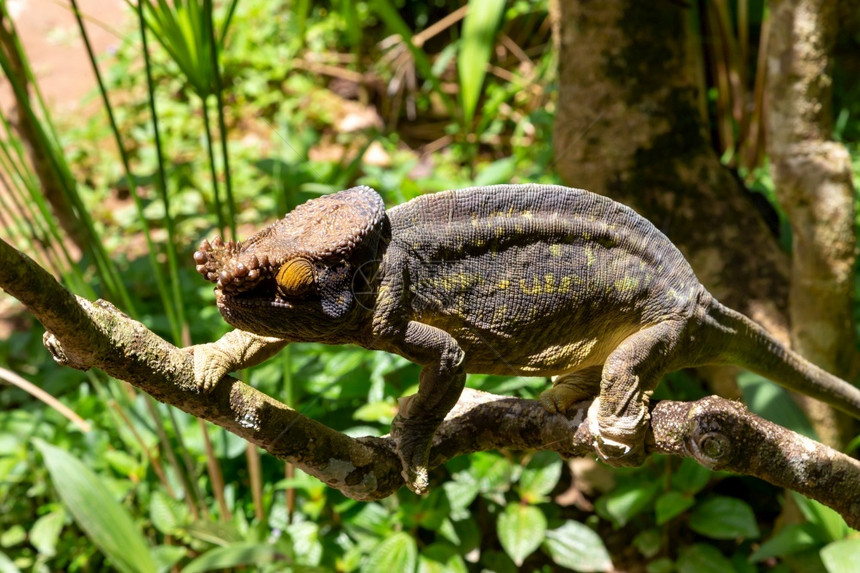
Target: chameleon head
{"points": [[294, 279]]}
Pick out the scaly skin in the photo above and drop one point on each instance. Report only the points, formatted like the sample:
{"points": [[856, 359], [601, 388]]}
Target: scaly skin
{"points": [[532, 280]]}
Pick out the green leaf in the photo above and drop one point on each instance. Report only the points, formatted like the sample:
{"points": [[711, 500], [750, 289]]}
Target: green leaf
{"points": [[461, 492], [7, 565], [479, 33], [166, 513], [649, 542], [841, 556], [521, 529], [441, 558], [701, 558], [122, 463], [624, 502], [167, 556], [491, 470], [397, 553], [306, 542], [691, 477], [381, 412], [107, 523], [661, 565], [498, 562], [774, 403], [826, 519], [722, 517], [46, 531], [235, 555], [500, 171], [790, 539], [576, 546], [539, 477], [672, 504]]}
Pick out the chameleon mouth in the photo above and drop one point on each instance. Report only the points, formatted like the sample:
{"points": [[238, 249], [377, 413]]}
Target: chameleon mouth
{"points": [[264, 295]]}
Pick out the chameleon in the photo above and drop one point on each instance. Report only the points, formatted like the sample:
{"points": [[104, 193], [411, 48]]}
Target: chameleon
{"points": [[529, 279]]}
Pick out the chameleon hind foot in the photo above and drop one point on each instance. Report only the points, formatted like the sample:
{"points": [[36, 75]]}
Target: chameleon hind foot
{"points": [[619, 441], [413, 438]]}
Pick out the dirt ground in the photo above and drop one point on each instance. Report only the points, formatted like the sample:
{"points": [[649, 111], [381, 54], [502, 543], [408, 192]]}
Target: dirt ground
{"points": [[50, 36]]}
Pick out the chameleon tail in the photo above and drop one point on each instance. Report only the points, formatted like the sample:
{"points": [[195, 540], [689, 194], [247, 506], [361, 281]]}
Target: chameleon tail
{"points": [[751, 347]]}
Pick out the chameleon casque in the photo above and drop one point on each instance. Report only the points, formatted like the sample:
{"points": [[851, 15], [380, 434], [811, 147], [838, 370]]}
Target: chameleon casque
{"points": [[534, 280]]}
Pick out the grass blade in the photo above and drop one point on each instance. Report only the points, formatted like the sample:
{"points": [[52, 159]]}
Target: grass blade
{"points": [[479, 33]]}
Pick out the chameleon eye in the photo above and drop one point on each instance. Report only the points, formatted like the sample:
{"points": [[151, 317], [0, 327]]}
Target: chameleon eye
{"points": [[295, 277]]}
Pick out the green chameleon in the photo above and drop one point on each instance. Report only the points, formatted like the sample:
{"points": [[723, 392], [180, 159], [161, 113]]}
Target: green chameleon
{"points": [[532, 280]]}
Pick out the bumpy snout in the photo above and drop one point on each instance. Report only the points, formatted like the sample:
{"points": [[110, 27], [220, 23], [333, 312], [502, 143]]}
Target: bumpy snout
{"points": [[229, 268]]}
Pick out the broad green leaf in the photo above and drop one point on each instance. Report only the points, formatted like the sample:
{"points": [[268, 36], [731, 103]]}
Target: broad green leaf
{"points": [[123, 463], [841, 556], [13, 535], [649, 542], [500, 171], [672, 504], [539, 477], [576, 546], [167, 514], [381, 412], [46, 531], [691, 477], [461, 492], [306, 542], [167, 556], [791, 539], [498, 562], [827, 520], [107, 523], [623, 503], [235, 555], [722, 517], [661, 565], [491, 470], [479, 33], [440, 558], [398, 552], [773, 403], [701, 558], [521, 529], [7, 565]]}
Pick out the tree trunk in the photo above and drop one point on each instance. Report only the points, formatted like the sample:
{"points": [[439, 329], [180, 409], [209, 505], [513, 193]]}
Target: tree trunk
{"points": [[812, 175], [629, 126]]}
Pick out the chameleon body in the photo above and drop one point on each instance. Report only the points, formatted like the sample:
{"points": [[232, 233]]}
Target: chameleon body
{"points": [[534, 280]]}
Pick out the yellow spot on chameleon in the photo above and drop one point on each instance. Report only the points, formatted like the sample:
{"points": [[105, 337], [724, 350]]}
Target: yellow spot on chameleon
{"points": [[500, 314], [564, 286], [535, 288], [626, 284], [555, 250], [504, 283]]}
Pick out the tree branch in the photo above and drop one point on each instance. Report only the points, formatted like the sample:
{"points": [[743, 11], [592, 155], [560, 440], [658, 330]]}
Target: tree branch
{"points": [[716, 432]]}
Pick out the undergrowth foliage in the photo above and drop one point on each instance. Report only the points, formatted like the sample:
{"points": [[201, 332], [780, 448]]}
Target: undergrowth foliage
{"points": [[238, 112]]}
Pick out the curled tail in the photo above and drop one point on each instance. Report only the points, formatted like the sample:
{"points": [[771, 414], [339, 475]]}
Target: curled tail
{"points": [[750, 346]]}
